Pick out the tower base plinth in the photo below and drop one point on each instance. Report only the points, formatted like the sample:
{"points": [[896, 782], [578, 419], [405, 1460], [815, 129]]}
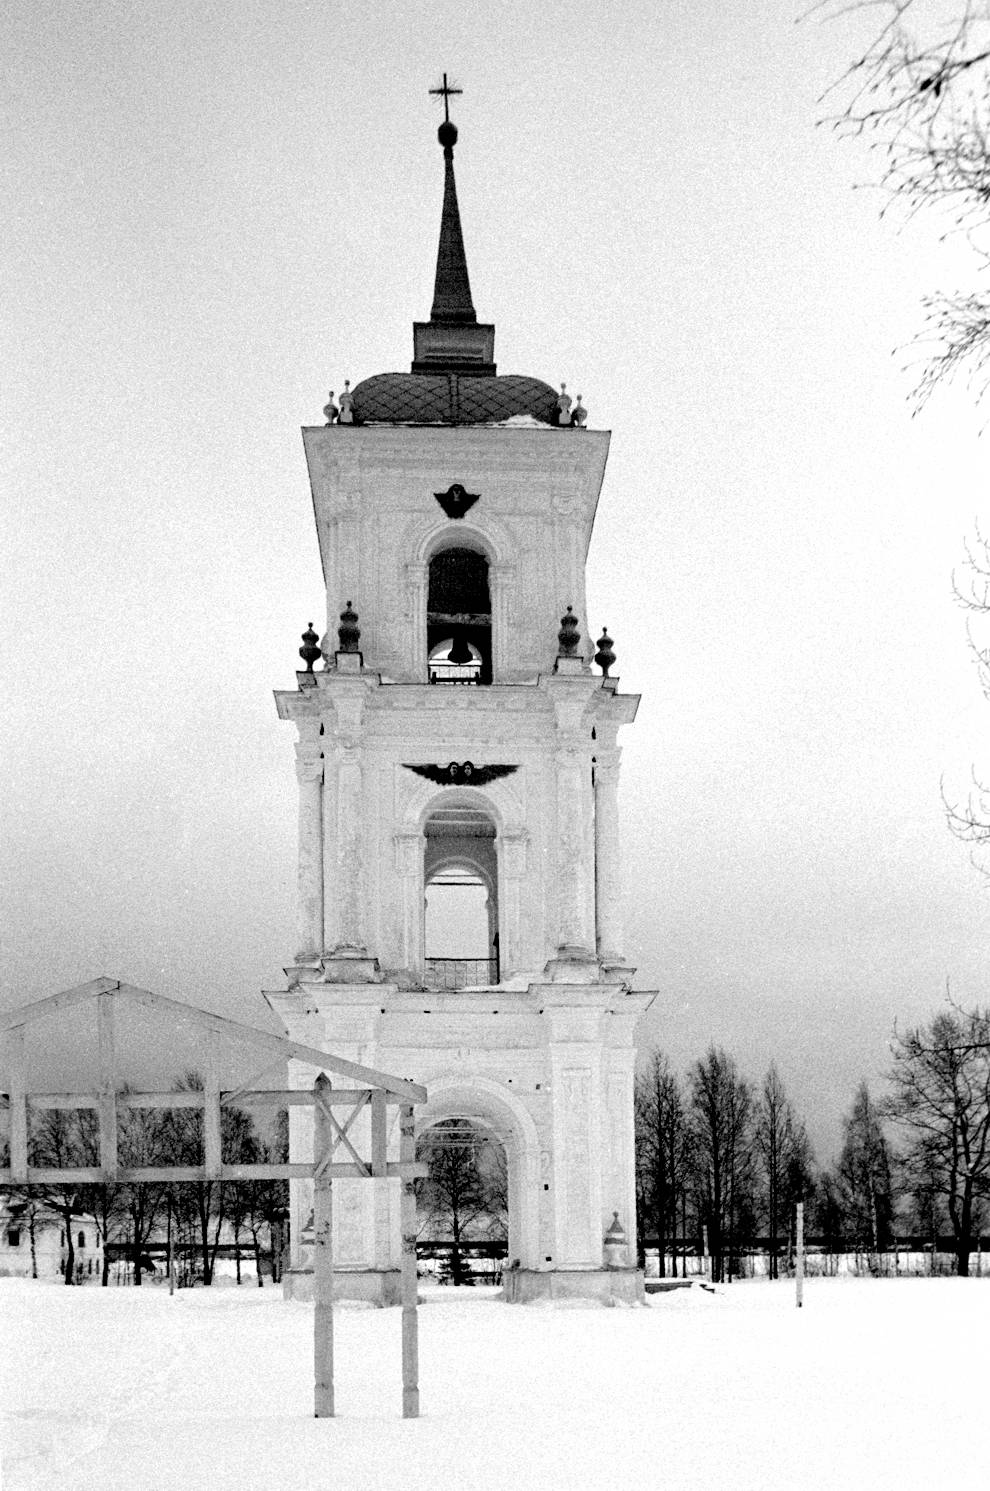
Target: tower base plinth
{"points": [[604, 1286], [373, 1286]]}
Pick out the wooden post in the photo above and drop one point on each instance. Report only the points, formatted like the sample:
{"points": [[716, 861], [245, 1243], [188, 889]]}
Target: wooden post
{"points": [[18, 1106], [799, 1254], [379, 1132], [211, 1110], [171, 1261], [410, 1283], [322, 1250], [108, 1093]]}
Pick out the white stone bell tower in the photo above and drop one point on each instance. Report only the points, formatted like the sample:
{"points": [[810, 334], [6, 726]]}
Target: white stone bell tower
{"points": [[455, 732]]}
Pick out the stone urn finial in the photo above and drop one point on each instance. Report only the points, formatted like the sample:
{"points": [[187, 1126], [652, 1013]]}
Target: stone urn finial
{"points": [[310, 650], [579, 415], [348, 631], [605, 656], [568, 637], [330, 410], [563, 406], [346, 405], [616, 1245]]}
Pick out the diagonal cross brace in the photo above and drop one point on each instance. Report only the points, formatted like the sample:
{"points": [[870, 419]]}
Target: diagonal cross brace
{"points": [[338, 1134]]}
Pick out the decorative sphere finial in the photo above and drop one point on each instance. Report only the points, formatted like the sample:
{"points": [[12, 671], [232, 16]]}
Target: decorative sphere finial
{"points": [[447, 134], [348, 632], [310, 650], [568, 637], [605, 656]]}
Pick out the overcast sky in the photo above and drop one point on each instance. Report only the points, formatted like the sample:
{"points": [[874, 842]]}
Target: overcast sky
{"points": [[216, 213]]}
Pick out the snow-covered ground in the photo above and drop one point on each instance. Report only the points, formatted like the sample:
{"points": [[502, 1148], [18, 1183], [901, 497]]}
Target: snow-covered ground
{"points": [[875, 1384]]}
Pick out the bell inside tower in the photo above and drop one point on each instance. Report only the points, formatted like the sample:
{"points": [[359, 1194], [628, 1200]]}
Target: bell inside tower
{"points": [[459, 618]]}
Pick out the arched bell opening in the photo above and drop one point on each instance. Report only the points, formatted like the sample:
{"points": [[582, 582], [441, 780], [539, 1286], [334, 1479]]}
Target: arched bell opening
{"points": [[459, 618], [461, 900], [462, 1203]]}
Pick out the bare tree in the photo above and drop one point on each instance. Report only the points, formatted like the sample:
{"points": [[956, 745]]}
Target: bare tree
{"points": [[143, 1139], [941, 1101], [53, 1141], [785, 1160], [105, 1202], [919, 92], [863, 1176], [662, 1149], [457, 1195], [721, 1108]]}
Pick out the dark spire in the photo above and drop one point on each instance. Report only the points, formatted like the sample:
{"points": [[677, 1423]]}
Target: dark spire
{"points": [[453, 340], [452, 289]]}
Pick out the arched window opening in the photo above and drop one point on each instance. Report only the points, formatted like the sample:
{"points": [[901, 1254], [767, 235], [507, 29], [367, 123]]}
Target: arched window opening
{"points": [[462, 1202], [461, 874], [459, 618]]}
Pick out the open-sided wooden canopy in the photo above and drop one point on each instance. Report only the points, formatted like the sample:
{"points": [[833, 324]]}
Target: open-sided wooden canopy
{"points": [[374, 1089]]}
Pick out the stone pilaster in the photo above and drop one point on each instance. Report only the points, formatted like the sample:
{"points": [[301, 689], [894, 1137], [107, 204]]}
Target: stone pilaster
{"points": [[608, 856], [349, 857], [575, 858], [309, 775], [576, 1083]]}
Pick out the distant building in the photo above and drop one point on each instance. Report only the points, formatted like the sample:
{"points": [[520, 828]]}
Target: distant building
{"points": [[47, 1258]]}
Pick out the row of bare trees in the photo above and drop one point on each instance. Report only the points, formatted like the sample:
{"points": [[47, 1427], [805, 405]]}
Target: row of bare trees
{"points": [[719, 1158], [715, 1157], [194, 1215]]}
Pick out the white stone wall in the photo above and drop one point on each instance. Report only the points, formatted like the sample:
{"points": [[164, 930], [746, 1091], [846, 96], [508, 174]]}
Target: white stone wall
{"points": [[379, 523]]}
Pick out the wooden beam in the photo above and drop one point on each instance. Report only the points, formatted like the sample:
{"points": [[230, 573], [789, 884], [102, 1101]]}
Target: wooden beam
{"points": [[322, 1251], [412, 1092], [191, 1099], [63, 1100], [279, 1046], [79, 1175], [18, 1106], [340, 1097], [108, 1095], [27, 1013]]}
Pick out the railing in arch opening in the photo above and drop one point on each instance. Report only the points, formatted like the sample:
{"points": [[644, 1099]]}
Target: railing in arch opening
{"points": [[461, 973]]}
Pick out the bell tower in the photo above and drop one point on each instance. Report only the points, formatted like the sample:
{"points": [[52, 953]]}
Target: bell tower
{"points": [[459, 915]]}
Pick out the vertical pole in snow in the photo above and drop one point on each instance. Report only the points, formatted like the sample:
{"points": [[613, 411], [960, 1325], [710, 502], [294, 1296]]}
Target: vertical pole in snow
{"points": [[171, 1261], [799, 1259], [322, 1251], [410, 1285]]}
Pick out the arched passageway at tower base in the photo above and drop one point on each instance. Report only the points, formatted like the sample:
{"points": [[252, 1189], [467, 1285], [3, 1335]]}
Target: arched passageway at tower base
{"points": [[490, 1106], [462, 1203]]}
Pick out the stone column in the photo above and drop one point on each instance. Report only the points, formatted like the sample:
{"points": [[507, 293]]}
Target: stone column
{"points": [[608, 856], [309, 774]]}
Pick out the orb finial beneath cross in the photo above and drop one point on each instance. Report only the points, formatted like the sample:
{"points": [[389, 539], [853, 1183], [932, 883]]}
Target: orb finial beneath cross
{"points": [[447, 133]]}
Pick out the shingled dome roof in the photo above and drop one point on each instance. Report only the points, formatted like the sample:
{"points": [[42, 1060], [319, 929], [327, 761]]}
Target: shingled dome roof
{"points": [[451, 399], [453, 379]]}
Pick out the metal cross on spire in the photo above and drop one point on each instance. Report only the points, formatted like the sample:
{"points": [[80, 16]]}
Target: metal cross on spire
{"points": [[447, 92]]}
